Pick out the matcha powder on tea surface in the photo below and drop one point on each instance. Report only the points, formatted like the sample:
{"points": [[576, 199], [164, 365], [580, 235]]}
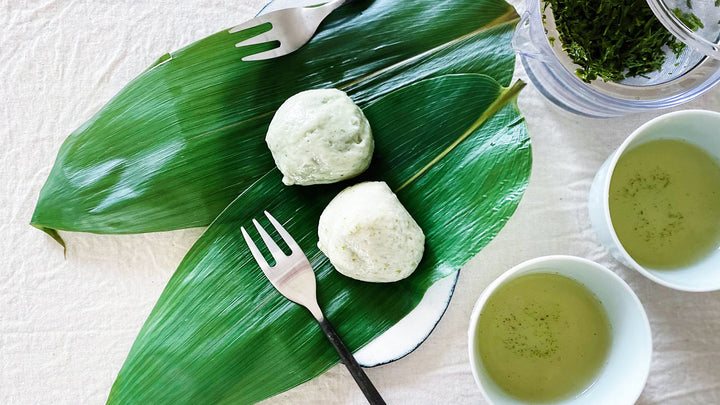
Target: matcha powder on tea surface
{"points": [[612, 39], [665, 203], [543, 337]]}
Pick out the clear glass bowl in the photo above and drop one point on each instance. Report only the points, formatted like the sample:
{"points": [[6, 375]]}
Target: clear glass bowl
{"points": [[680, 80], [704, 39]]}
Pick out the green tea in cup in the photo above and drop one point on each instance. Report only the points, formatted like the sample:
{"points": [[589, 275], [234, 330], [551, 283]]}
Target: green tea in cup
{"points": [[543, 337], [665, 203]]}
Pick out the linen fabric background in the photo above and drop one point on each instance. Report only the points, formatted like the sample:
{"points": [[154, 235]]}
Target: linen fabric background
{"points": [[66, 324]]}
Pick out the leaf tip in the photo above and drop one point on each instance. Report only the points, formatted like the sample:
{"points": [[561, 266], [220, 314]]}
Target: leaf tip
{"points": [[53, 233]]}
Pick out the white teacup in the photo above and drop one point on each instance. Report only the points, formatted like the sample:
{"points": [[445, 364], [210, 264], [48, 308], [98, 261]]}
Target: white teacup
{"points": [[622, 378], [698, 127]]}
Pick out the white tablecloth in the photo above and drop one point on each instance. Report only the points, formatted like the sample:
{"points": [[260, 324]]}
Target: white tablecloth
{"points": [[66, 325]]}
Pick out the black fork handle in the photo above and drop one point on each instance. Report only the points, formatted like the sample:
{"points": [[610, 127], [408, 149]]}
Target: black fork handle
{"points": [[362, 380]]}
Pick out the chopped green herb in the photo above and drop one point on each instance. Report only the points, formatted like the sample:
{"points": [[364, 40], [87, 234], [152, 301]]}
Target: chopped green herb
{"points": [[689, 19], [612, 39], [689, 3], [552, 41], [717, 3]]}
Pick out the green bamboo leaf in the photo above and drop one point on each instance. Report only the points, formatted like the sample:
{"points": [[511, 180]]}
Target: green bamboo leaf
{"points": [[458, 152], [183, 139]]}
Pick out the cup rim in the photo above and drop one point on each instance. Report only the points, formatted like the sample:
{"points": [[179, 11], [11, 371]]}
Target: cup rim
{"points": [[606, 196], [500, 280]]}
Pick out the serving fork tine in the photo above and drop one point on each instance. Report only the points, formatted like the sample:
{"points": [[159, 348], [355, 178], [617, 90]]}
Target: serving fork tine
{"points": [[293, 276], [291, 27]]}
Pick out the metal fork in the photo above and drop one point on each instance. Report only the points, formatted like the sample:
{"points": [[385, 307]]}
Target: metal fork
{"points": [[294, 278], [292, 27]]}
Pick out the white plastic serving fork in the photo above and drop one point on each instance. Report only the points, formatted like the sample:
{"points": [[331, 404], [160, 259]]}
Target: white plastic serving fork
{"points": [[294, 278], [292, 27]]}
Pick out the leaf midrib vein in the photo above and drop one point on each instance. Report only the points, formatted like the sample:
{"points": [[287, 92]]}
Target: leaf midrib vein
{"points": [[506, 94], [509, 16]]}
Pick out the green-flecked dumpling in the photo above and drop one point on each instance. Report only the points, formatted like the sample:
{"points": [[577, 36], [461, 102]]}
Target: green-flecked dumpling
{"points": [[320, 137], [368, 234]]}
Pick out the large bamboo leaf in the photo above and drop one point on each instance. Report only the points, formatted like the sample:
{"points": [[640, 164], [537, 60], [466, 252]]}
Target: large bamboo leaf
{"points": [[458, 153], [183, 139]]}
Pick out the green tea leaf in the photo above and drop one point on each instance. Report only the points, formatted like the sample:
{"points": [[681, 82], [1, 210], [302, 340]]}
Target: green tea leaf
{"points": [[458, 152], [612, 39], [183, 139], [690, 20]]}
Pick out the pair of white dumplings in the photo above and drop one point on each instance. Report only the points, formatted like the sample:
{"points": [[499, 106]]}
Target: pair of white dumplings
{"points": [[320, 137]]}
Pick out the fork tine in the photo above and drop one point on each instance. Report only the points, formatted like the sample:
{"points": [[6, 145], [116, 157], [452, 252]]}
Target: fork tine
{"points": [[294, 247], [273, 53], [255, 22], [274, 249], [255, 251], [258, 39]]}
